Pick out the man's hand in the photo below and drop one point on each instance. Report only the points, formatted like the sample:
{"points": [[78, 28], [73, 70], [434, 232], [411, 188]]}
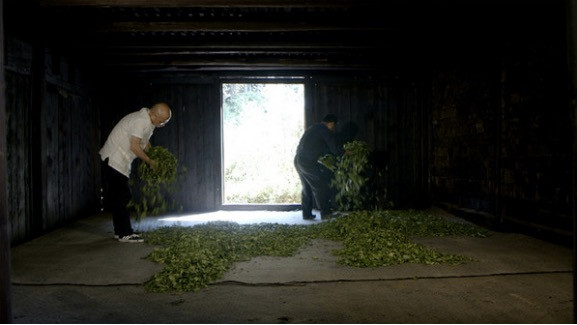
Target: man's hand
{"points": [[152, 164]]}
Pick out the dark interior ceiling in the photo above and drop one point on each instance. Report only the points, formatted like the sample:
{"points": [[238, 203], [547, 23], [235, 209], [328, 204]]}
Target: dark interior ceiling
{"points": [[240, 34]]}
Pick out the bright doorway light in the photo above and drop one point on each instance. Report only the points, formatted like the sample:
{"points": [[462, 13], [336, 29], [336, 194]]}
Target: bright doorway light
{"points": [[262, 124]]}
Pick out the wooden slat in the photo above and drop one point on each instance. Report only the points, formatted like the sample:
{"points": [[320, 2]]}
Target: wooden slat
{"points": [[572, 58], [238, 64], [5, 269], [229, 26], [18, 137], [207, 3]]}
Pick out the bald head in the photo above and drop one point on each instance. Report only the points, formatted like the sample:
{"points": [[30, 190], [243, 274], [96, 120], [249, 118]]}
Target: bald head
{"points": [[160, 114]]}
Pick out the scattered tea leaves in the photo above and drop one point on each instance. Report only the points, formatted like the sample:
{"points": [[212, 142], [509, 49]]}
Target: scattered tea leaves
{"points": [[196, 256]]}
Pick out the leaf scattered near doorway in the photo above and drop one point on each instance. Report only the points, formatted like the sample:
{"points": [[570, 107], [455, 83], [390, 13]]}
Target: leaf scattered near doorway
{"points": [[196, 256]]}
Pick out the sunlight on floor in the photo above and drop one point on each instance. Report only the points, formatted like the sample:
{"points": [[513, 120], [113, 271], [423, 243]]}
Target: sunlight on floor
{"points": [[240, 217]]}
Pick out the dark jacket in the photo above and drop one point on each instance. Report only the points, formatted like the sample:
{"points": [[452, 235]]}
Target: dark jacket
{"points": [[316, 142]]}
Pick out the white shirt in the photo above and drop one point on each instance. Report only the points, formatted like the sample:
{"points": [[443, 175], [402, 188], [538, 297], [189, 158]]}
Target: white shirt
{"points": [[117, 145]]}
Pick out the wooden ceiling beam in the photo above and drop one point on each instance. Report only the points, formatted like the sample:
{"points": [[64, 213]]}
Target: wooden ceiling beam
{"points": [[226, 26], [231, 50], [261, 54], [228, 62], [208, 3], [212, 34]]}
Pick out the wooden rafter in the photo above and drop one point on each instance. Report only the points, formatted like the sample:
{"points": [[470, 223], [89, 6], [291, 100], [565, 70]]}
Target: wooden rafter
{"points": [[222, 26], [206, 3]]}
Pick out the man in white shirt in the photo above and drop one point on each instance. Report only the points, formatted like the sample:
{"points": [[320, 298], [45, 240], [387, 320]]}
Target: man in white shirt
{"points": [[128, 140]]}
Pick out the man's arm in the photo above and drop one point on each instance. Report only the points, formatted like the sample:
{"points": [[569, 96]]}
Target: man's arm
{"points": [[329, 139], [137, 150]]}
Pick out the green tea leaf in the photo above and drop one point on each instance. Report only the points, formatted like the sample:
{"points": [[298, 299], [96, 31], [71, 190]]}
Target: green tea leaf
{"points": [[155, 188], [193, 257]]}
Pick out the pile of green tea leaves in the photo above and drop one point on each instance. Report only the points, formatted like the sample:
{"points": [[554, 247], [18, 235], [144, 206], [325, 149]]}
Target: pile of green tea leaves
{"points": [[155, 187], [193, 257]]}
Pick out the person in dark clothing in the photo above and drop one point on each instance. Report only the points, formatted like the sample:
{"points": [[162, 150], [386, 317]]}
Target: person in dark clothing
{"points": [[317, 141]]}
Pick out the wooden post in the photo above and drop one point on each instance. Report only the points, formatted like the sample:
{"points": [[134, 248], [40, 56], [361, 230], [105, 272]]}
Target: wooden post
{"points": [[5, 290], [572, 63]]}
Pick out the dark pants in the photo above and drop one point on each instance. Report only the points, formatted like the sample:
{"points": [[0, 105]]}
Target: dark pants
{"points": [[315, 180], [116, 197]]}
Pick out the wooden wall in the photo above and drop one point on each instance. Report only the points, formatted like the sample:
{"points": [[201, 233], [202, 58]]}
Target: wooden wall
{"points": [[52, 139], [390, 116], [501, 127]]}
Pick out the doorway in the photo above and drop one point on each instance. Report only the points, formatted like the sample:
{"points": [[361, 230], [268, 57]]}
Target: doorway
{"points": [[261, 126]]}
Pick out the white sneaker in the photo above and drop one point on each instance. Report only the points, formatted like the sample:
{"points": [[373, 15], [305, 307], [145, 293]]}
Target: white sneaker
{"points": [[116, 236], [134, 238]]}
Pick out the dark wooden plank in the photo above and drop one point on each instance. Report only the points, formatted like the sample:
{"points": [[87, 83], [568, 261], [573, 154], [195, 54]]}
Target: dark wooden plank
{"points": [[228, 26], [36, 110], [208, 3], [572, 56], [50, 159], [18, 143], [5, 269]]}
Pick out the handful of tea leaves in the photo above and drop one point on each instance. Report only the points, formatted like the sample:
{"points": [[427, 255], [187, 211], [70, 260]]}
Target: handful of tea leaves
{"points": [[156, 185], [349, 172], [166, 166]]}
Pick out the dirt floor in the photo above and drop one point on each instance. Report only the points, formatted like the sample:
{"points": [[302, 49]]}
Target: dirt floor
{"points": [[79, 274]]}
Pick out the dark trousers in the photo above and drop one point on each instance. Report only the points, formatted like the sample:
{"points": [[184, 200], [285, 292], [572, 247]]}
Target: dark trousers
{"points": [[315, 181], [116, 197]]}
